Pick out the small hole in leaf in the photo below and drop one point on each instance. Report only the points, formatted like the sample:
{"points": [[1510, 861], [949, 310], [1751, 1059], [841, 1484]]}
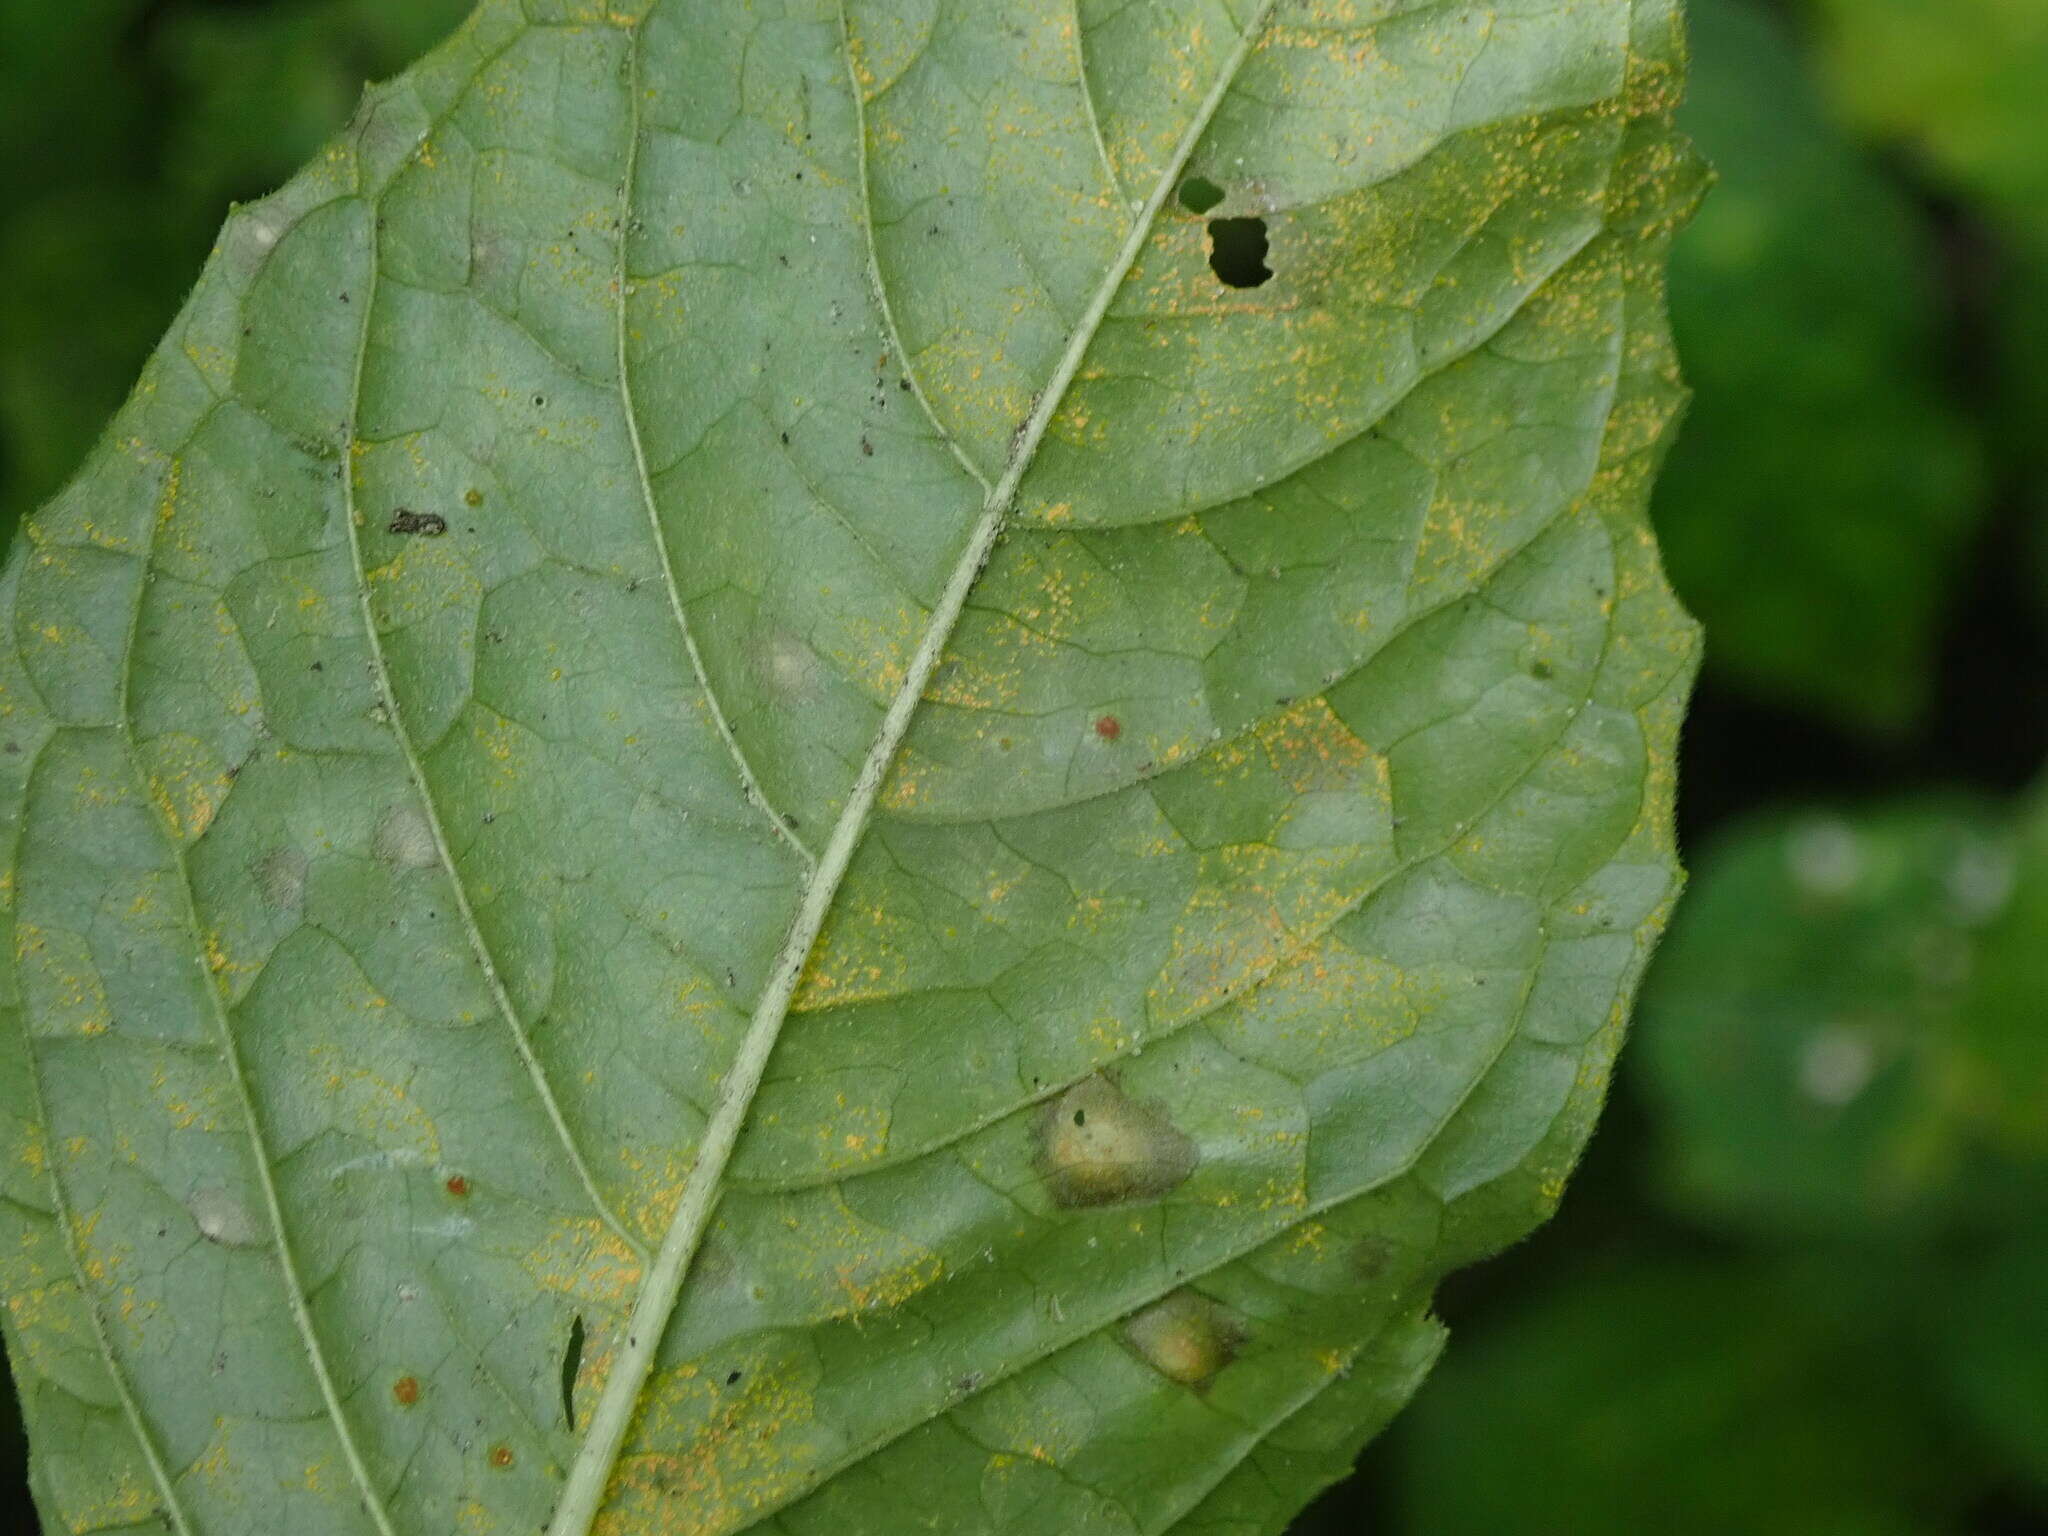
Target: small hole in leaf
{"points": [[1237, 251], [1198, 194]]}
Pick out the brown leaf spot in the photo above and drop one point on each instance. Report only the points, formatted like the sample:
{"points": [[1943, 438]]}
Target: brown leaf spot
{"points": [[1099, 1146], [1185, 1338]]}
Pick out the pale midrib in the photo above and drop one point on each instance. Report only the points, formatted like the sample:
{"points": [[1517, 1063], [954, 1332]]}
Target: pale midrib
{"points": [[380, 674], [297, 1298], [750, 785], [655, 1304]]}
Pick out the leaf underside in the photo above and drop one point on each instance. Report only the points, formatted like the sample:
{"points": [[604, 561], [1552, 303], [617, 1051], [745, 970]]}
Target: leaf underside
{"points": [[516, 696]]}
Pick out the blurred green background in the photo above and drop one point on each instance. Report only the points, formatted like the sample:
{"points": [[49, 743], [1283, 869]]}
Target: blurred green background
{"points": [[1800, 1287]]}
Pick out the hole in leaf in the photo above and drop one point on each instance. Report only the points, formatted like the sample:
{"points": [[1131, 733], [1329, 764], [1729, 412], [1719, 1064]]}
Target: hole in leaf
{"points": [[572, 1363], [1237, 251], [1198, 194]]}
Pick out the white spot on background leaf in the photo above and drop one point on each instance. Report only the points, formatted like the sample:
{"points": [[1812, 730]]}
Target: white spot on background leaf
{"points": [[1836, 1064], [1980, 881], [1823, 856]]}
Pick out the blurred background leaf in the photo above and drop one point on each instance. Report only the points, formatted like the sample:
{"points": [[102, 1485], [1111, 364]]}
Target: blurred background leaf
{"points": [[1823, 1037], [1824, 477], [1958, 89], [1799, 1285], [1697, 1399], [1957, 82]]}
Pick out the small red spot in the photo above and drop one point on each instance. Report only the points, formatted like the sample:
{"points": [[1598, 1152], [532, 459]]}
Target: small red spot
{"points": [[458, 1186], [407, 1390], [501, 1456], [1109, 728]]}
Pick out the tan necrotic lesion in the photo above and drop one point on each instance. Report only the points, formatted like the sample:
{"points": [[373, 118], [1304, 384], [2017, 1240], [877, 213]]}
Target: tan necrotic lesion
{"points": [[1099, 1146]]}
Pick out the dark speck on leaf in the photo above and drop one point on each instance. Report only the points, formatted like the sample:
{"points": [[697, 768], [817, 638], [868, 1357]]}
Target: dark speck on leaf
{"points": [[572, 1364], [427, 524], [732, 1378]]}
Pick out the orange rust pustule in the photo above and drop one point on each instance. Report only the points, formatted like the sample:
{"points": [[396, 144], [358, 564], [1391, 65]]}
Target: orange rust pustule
{"points": [[457, 1186], [501, 1456], [406, 1390], [1108, 727]]}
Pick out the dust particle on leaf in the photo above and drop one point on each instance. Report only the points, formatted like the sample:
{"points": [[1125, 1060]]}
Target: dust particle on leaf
{"points": [[1185, 1338], [1099, 1146], [427, 524]]}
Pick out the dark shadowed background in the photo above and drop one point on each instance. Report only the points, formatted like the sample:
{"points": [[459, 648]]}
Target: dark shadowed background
{"points": [[1800, 1286]]}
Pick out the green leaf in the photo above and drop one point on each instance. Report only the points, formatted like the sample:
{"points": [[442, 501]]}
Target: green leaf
{"points": [[1825, 476], [1695, 1400], [1844, 1026], [1958, 82], [734, 810], [1957, 85], [1996, 1345]]}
